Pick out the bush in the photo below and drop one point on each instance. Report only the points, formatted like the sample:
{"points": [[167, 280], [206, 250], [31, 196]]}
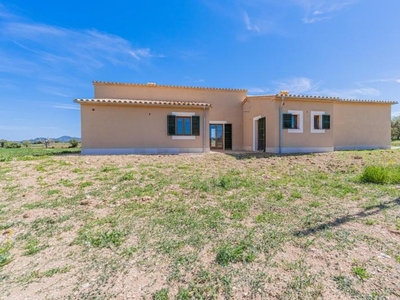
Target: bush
{"points": [[12, 145], [74, 143], [381, 174]]}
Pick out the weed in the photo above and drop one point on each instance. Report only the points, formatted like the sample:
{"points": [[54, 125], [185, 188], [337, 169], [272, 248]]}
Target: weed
{"points": [[66, 182], [183, 294], [369, 222], [5, 255], [381, 174], [360, 272], [33, 246], [161, 295], [52, 272], [53, 192], [127, 176], [397, 258], [315, 204], [102, 239], [85, 184], [243, 252]]}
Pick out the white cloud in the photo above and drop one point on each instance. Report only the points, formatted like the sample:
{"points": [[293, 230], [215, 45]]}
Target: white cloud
{"points": [[355, 93], [306, 86], [298, 85], [397, 80], [66, 106], [42, 45], [250, 26], [257, 90], [319, 10]]}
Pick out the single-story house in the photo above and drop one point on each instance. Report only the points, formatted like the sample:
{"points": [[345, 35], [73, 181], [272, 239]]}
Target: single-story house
{"points": [[149, 118]]}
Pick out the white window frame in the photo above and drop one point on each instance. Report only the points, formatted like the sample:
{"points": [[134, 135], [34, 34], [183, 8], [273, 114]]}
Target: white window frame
{"points": [[299, 114], [312, 115], [183, 137]]}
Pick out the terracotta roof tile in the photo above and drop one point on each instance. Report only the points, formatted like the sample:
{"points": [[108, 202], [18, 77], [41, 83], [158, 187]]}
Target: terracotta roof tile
{"points": [[152, 84], [144, 102]]}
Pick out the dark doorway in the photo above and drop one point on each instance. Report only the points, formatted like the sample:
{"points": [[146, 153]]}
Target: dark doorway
{"points": [[228, 136], [261, 143]]}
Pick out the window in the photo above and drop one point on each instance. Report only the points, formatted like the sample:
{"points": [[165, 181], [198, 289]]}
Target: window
{"points": [[320, 121], [183, 125], [293, 121]]}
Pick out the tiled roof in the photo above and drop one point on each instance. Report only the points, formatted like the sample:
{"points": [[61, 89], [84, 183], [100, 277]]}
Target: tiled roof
{"points": [[143, 102], [324, 98], [309, 97], [370, 101], [152, 84]]}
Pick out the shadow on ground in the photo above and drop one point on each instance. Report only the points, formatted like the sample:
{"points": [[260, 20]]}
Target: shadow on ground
{"points": [[372, 210]]}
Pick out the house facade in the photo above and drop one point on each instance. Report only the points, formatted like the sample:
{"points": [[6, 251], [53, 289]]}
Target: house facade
{"points": [[125, 118]]}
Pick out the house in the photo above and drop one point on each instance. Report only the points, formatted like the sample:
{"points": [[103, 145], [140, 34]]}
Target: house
{"points": [[149, 118]]}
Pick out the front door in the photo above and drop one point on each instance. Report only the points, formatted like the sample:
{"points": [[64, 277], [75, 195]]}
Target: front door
{"points": [[216, 136], [261, 135]]}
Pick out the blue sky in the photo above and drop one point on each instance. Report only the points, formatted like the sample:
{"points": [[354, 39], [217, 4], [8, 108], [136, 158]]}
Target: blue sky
{"points": [[51, 51]]}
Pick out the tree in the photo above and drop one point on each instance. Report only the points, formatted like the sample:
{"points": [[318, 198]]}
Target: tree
{"points": [[74, 143], [26, 144], [47, 142], [396, 128], [2, 143]]}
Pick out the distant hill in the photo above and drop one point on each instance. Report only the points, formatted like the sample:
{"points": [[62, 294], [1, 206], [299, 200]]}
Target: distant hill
{"points": [[61, 139]]}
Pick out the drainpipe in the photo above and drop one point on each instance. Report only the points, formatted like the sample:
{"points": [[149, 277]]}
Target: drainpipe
{"points": [[204, 129], [283, 94]]}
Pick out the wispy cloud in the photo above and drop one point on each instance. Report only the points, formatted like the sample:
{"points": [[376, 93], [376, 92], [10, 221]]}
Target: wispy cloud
{"points": [[319, 10], [66, 106], [250, 26], [90, 48], [395, 80], [297, 85], [258, 90], [306, 86]]}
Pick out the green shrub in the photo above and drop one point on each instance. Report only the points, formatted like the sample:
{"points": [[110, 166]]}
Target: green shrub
{"points": [[381, 174], [12, 145], [74, 143]]}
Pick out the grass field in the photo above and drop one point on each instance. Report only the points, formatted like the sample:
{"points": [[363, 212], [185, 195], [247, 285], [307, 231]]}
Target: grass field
{"points": [[396, 143], [36, 150], [211, 226]]}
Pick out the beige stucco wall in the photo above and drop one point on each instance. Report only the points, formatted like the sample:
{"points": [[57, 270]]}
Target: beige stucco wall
{"points": [[255, 107], [226, 104], [315, 142], [268, 106], [134, 127], [361, 125]]}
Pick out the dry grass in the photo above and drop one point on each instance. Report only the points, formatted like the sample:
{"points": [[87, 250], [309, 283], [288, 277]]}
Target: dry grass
{"points": [[209, 226]]}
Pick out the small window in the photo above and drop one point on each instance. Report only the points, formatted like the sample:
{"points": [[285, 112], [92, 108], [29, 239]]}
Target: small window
{"points": [[293, 120], [320, 121], [317, 122], [183, 125]]}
